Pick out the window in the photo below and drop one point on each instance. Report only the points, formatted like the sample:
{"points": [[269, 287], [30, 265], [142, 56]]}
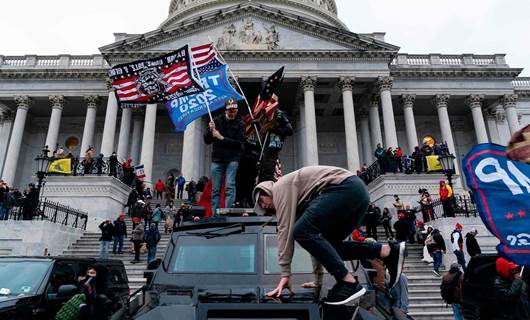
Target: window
{"points": [[301, 260], [63, 273], [224, 254], [21, 277]]}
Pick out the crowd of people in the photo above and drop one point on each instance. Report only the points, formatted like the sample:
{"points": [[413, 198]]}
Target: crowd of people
{"points": [[26, 202]]}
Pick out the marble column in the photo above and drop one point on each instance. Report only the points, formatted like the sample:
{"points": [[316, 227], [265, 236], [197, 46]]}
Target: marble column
{"points": [[125, 133], [11, 163], [509, 103], [90, 124], [57, 103], [385, 85], [109, 128], [474, 101], [137, 135], [311, 143], [375, 122], [148, 143], [365, 138], [441, 101], [301, 135], [191, 150], [491, 121], [350, 125], [410, 124], [5, 135]]}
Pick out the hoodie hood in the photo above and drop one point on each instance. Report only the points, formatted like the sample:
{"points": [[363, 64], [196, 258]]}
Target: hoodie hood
{"points": [[504, 267], [266, 187]]}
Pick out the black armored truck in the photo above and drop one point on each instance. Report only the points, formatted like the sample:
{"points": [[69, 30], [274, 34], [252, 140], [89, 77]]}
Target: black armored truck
{"points": [[222, 268]]}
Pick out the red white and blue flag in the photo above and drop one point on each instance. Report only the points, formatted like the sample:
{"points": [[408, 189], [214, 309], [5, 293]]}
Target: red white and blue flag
{"points": [[501, 190], [156, 80]]}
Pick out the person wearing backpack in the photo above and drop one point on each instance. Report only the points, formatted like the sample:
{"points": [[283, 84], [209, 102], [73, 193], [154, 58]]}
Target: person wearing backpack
{"points": [[152, 237], [458, 245], [436, 246], [451, 289]]}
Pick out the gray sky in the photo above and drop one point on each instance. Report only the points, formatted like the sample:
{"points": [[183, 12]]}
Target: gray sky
{"points": [[417, 26]]}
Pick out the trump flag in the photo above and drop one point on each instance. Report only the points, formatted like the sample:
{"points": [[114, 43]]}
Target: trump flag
{"points": [[501, 190]]}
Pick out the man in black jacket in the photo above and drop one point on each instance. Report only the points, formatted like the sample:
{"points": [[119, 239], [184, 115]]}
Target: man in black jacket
{"points": [[120, 232], [472, 245], [226, 133], [436, 246], [107, 231], [372, 220]]}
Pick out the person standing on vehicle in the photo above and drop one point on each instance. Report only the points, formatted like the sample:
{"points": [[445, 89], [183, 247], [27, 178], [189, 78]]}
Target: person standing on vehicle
{"points": [[107, 232], [152, 237], [226, 133], [458, 245], [319, 207], [120, 231], [137, 238]]}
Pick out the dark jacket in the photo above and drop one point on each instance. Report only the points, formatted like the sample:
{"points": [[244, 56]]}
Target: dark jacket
{"points": [[282, 128], [472, 245], [402, 228], [152, 236], [373, 215], [233, 132], [107, 231], [512, 299], [120, 228], [439, 243]]}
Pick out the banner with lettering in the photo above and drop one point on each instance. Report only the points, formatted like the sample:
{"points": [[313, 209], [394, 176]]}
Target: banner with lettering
{"points": [[217, 90], [501, 190], [155, 80]]}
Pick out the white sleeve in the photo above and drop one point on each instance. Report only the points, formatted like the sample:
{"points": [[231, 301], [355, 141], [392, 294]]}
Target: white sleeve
{"points": [[456, 237]]}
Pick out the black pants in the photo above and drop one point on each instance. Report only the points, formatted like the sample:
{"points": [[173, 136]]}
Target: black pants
{"points": [[137, 245], [180, 190], [159, 195], [388, 229], [448, 208], [371, 230], [329, 219]]}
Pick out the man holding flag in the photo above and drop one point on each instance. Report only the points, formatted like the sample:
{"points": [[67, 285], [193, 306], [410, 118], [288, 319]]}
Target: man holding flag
{"points": [[226, 133]]}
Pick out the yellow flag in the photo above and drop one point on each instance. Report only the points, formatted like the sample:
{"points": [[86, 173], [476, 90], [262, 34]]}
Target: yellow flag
{"points": [[433, 164], [63, 166]]}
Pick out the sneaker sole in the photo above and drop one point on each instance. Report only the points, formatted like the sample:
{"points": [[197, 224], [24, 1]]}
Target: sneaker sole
{"points": [[401, 262], [357, 295]]}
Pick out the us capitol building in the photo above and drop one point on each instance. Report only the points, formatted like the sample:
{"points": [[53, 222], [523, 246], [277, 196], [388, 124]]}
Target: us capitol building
{"points": [[344, 92]]}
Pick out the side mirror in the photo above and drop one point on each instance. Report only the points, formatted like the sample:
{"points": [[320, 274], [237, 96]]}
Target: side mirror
{"points": [[67, 291]]}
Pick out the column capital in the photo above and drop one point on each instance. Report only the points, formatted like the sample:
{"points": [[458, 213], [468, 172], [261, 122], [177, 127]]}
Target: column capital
{"points": [[57, 102], [474, 101], [346, 83], [509, 101], [23, 102], [441, 100], [385, 83], [108, 83], [363, 113], [308, 83], [407, 100], [92, 102]]}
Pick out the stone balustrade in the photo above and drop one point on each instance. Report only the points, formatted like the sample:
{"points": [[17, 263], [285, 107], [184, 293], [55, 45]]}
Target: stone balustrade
{"points": [[433, 59], [521, 83], [60, 61]]}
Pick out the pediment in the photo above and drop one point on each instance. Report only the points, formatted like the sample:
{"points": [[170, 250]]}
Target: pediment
{"points": [[248, 27]]}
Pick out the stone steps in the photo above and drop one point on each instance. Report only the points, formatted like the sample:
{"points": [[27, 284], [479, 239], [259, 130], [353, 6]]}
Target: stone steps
{"points": [[4, 252]]}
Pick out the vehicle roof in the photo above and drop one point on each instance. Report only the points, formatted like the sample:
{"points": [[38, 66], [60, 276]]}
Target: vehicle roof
{"points": [[60, 258], [226, 221]]}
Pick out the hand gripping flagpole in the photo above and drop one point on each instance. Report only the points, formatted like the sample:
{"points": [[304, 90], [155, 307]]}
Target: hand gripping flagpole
{"points": [[239, 87]]}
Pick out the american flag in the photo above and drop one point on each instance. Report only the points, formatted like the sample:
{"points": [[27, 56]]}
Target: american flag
{"points": [[205, 58], [267, 102], [155, 80]]}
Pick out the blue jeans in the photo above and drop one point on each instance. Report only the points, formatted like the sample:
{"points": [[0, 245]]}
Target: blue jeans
{"points": [[329, 219], [151, 254], [118, 242], [437, 257], [4, 213], [104, 249], [460, 258], [218, 170], [456, 311]]}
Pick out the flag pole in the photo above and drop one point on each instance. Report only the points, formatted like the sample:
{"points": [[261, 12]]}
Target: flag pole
{"points": [[239, 87], [205, 98]]}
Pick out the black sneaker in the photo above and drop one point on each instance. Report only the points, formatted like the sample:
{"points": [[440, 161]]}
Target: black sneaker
{"points": [[344, 292], [394, 262]]}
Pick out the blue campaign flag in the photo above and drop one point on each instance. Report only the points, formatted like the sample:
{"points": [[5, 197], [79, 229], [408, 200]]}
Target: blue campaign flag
{"points": [[501, 189], [217, 90]]}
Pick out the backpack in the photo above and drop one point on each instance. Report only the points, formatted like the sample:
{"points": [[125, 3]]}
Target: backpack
{"points": [[449, 287]]}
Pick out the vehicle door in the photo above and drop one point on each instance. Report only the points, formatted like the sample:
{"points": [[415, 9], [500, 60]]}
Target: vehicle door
{"points": [[64, 273]]}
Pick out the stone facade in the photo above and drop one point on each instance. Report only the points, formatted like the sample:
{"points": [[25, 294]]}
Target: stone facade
{"points": [[343, 91]]}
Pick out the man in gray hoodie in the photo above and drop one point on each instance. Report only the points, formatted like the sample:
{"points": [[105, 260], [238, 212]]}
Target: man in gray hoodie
{"points": [[319, 207]]}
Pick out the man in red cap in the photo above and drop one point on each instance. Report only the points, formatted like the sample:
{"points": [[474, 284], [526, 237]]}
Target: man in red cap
{"points": [[120, 232], [510, 292], [458, 245]]}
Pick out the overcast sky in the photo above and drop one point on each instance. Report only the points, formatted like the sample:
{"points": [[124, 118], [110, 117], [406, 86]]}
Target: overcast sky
{"points": [[417, 26]]}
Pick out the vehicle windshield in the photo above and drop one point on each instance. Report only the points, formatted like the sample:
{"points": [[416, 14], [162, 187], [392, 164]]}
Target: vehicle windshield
{"points": [[21, 277], [301, 262], [224, 254]]}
